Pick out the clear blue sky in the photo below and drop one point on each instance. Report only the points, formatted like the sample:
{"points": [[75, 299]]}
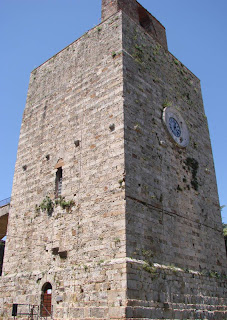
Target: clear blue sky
{"points": [[31, 31]]}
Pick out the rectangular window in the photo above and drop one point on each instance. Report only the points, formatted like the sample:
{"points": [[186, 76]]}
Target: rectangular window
{"points": [[58, 182]]}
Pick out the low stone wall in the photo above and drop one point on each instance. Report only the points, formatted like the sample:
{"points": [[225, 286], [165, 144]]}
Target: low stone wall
{"points": [[167, 292]]}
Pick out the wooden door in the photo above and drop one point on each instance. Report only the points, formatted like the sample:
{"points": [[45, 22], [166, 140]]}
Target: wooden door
{"points": [[46, 301]]}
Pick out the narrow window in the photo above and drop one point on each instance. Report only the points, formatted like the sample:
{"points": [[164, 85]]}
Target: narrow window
{"points": [[46, 306], [58, 182]]}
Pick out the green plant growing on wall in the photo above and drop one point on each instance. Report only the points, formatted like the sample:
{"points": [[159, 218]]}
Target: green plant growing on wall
{"points": [[117, 240], [148, 267], [46, 205], [138, 54], [137, 128], [148, 255], [85, 268], [121, 185], [156, 49], [65, 205], [195, 145], [100, 262], [114, 54], [173, 268], [213, 274], [167, 103]]}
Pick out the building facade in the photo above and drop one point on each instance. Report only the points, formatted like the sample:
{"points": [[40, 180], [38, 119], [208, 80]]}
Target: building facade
{"points": [[114, 211]]}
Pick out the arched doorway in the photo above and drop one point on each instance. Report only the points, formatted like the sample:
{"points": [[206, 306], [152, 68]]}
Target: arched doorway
{"points": [[46, 306]]}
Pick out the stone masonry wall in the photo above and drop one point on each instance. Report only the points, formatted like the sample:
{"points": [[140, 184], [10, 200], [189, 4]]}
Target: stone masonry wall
{"points": [[171, 293], [75, 95], [172, 212]]}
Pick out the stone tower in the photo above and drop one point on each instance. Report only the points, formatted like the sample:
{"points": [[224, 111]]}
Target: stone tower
{"points": [[114, 211]]}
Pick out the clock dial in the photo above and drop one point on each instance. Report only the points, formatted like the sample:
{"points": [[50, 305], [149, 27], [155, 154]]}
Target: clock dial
{"points": [[174, 126]]}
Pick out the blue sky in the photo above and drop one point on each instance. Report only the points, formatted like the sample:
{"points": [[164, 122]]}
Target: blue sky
{"points": [[31, 31]]}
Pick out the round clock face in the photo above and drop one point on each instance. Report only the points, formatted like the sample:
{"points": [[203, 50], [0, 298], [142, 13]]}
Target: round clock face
{"points": [[176, 126]]}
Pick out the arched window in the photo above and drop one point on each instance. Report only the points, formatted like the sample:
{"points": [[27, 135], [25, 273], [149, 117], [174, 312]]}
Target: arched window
{"points": [[144, 19], [46, 306]]}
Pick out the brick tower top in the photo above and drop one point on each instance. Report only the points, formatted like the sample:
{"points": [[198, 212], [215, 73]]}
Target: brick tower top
{"points": [[139, 14]]}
